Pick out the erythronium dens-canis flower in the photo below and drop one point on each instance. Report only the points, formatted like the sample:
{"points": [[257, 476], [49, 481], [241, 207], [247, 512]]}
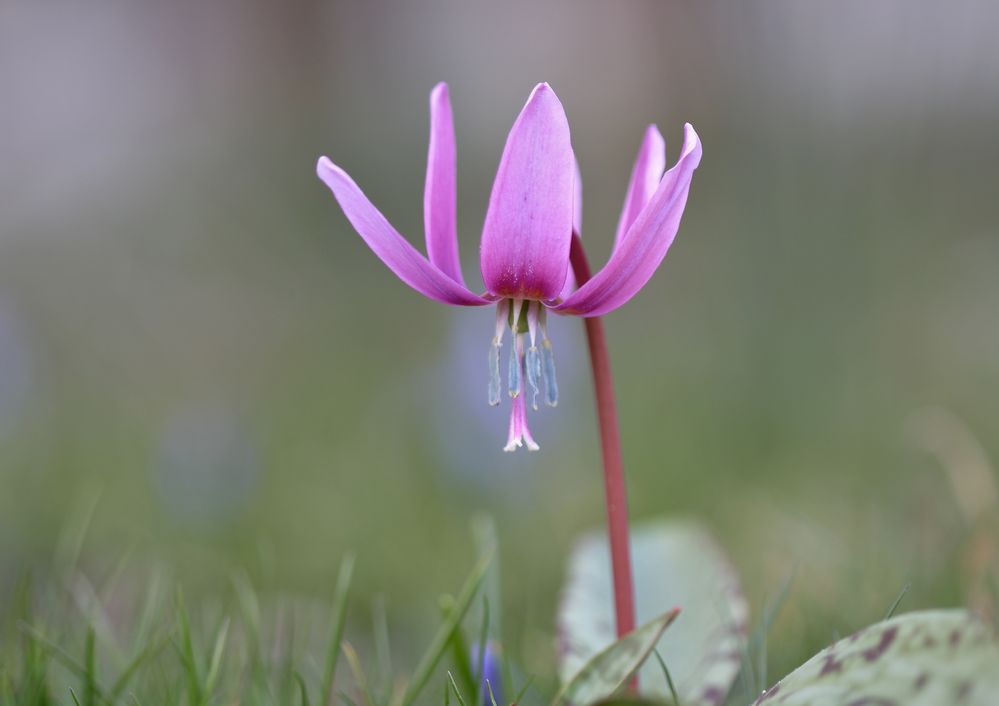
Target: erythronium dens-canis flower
{"points": [[534, 208]]}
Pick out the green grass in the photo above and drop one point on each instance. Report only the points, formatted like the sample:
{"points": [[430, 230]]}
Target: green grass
{"points": [[67, 642]]}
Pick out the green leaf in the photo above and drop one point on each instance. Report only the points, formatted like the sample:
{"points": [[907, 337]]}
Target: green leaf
{"points": [[609, 669], [925, 658], [675, 564]]}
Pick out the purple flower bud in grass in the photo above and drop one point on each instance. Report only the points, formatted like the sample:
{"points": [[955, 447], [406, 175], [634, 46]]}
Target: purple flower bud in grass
{"points": [[533, 210], [490, 672]]}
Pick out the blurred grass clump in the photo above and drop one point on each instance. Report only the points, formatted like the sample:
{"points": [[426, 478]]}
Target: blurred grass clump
{"points": [[105, 644]]}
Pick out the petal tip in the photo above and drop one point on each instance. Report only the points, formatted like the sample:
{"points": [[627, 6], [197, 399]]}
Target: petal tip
{"points": [[439, 91], [324, 166], [543, 90], [655, 140], [691, 143]]}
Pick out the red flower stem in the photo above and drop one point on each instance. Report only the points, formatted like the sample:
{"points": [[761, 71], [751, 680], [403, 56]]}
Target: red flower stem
{"points": [[610, 444]]}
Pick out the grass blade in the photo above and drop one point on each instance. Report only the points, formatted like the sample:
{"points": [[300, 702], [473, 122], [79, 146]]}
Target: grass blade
{"points": [[211, 679], [383, 653], [669, 678], [901, 595], [190, 662], [336, 628], [303, 693], [523, 690], [480, 667], [37, 639], [361, 679], [457, 691], [126, 675], [459, 650], [90, 676]]}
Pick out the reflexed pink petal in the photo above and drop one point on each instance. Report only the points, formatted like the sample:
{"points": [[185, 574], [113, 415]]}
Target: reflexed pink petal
{"points": [[644, 246], [528, 228], [577, 197], [439, 195], [401, 257], [645, 176], [577, 226]]}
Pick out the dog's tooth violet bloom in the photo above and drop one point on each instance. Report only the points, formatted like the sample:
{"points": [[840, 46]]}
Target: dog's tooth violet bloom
{"points": [[532, 212]]}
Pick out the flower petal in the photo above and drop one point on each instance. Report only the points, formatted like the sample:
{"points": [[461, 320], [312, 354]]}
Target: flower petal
{"points": [[645, 176], [439, 195], [645, 244], [569, 286], [402, 258], [577, 197], [528, 228]]}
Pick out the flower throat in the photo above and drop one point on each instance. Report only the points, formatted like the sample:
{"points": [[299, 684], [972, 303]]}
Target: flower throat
{"points": [[527, 321]]}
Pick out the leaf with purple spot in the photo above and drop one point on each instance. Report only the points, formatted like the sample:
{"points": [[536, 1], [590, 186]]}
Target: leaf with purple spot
{"points": [[607, 671], [925, 658]]}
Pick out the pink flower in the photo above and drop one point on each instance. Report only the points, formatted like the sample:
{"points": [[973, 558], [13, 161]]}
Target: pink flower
{"points": [[533, 210]]}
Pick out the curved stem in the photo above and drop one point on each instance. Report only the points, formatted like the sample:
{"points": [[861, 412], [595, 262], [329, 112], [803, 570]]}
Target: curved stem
{"points": [[610, 444]]}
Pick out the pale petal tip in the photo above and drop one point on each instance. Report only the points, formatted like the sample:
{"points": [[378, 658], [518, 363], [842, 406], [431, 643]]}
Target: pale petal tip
{"points": [[439, 91], [324, 166], [542, 89], [691, 141], [543, 95], [652, 134]]}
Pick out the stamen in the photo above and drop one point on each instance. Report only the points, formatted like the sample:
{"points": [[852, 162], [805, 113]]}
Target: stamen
{"points": [[533, 315], [502, 312], [502, 317], [494, 373], [551, 382], [532, 361], [514, 380], [548, 362]]}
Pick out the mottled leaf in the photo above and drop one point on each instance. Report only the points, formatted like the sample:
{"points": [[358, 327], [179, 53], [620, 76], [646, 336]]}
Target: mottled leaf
{"points": [[609, 669], [628, 700], [676, 564], [930, 658]]}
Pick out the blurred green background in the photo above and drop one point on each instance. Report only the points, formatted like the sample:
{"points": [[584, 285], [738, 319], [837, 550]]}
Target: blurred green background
{"points": [[195, 344]]}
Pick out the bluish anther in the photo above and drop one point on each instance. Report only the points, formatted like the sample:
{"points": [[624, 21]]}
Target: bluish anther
{"points": [[551, 382], [494, 373], [532, 361], [514, 381]]}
